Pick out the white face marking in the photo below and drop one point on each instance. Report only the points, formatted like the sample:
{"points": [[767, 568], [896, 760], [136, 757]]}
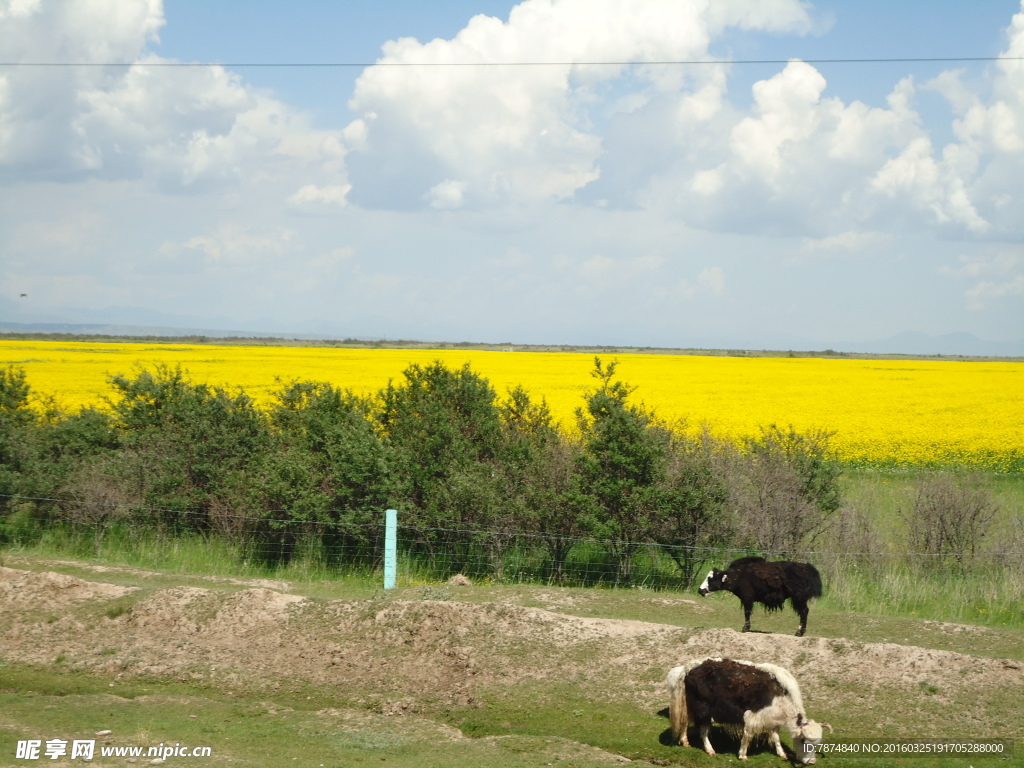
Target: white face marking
{"points": [[704, 584], [807, 741]]}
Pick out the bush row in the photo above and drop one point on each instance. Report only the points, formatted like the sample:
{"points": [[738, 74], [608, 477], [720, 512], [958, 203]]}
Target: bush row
{"points": [[464, 466]]}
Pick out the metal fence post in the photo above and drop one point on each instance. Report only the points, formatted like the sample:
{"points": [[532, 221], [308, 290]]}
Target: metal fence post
{"points": [[390, 548]]}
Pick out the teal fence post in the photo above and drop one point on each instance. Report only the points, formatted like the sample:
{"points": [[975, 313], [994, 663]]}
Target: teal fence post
{"points": [[390, 548]]}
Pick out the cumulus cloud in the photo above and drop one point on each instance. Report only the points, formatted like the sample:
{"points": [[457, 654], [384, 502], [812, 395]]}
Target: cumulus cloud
{"points": [[982, 294], [448, 194], [994, 276], [232, 246], [971, 182], [312, 195], [852, 241], [799, 162], [527, 133], [931, 184], [803, 162], [786, 116], [186, 129], [644, 189]]}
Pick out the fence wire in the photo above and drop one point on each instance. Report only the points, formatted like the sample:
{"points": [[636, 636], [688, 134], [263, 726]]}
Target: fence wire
{"points": [[335, 542]]}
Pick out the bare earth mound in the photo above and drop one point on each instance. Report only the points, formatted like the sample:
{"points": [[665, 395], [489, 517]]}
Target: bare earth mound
{"points": [[49, 591], [407, 656]]}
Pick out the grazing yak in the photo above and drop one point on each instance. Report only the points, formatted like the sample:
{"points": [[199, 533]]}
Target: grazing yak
{"points": [[748, 698], [755, 580]]}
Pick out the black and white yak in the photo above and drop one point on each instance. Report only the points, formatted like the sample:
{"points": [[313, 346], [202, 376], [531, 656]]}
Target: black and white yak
{"points": [[749, 698], [756, 580]]}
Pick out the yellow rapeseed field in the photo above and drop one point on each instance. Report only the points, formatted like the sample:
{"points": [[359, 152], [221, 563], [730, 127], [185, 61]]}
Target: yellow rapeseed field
{"points": [[902, 412]]}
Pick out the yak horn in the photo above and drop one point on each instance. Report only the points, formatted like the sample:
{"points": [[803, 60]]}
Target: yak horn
{"points": [[826, 725]]}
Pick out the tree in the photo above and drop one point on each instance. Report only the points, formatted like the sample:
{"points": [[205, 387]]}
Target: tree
{"points": [[184, 443], [18, 451], [541, 477], [622, 467], [786, 488], [949, 518], [694, 496], [335, 429], [44, 454], [442, 433], [16, 422]]}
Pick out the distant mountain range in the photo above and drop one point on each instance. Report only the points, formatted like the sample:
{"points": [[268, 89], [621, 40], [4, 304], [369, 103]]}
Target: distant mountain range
{"points": [[910, 343], [917, 343], [104, 329]]}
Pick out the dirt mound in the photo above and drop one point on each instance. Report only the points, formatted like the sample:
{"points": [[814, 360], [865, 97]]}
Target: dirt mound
{"points": [[407, 656], [27, 590], [277, 584], [255, 607], [820, 660]]}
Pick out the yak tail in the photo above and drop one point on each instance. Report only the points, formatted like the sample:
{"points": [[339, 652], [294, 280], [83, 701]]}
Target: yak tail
{"points": [[803, 579], [678, 717], [814, 582]]}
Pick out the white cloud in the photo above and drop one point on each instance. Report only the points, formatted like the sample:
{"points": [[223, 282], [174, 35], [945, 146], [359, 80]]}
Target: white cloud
{"points": [[712, 280], [786, 115], [526, 133], [980, 296], [590, 202], [186, 129], [974, 181], [806, 163], [799, 162], [934, 185], [448, 194], [972, 266], [768, 15], [994, 276], [314, 195], [852, 241], [707, 182], [233, 247]]}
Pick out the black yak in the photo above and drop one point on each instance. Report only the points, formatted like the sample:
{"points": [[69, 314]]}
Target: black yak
{"points": [[756, 580], [751, 698]]}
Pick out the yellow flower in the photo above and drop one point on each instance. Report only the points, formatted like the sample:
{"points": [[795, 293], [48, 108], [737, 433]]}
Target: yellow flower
{"points": [[883, 412]]}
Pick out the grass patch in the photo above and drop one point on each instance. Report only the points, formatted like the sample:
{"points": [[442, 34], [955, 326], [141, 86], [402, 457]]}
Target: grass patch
{"points": [[116, 610], [568, 711], [241, 729], [987, 596]]}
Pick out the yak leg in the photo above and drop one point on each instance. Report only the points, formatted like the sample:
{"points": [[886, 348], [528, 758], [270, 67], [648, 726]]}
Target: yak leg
{"points": [[778, 744], [802, 610], [704, 728], [682, 736], [744, 743], [747, 610]]}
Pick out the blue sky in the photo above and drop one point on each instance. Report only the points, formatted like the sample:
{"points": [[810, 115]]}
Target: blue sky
{"points": [[785, 205]]}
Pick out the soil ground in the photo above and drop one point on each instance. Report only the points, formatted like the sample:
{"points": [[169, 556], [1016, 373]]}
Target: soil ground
{"points": [[582, 670]]}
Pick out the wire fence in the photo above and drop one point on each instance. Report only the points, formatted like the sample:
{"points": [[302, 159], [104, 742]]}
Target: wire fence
{"points": [[337, 542]]}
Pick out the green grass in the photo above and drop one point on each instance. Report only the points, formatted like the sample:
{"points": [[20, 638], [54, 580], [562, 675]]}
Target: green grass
{"points": [[532, 724], [987, 596], [886, 586], [242, 728], [571, 712]]}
